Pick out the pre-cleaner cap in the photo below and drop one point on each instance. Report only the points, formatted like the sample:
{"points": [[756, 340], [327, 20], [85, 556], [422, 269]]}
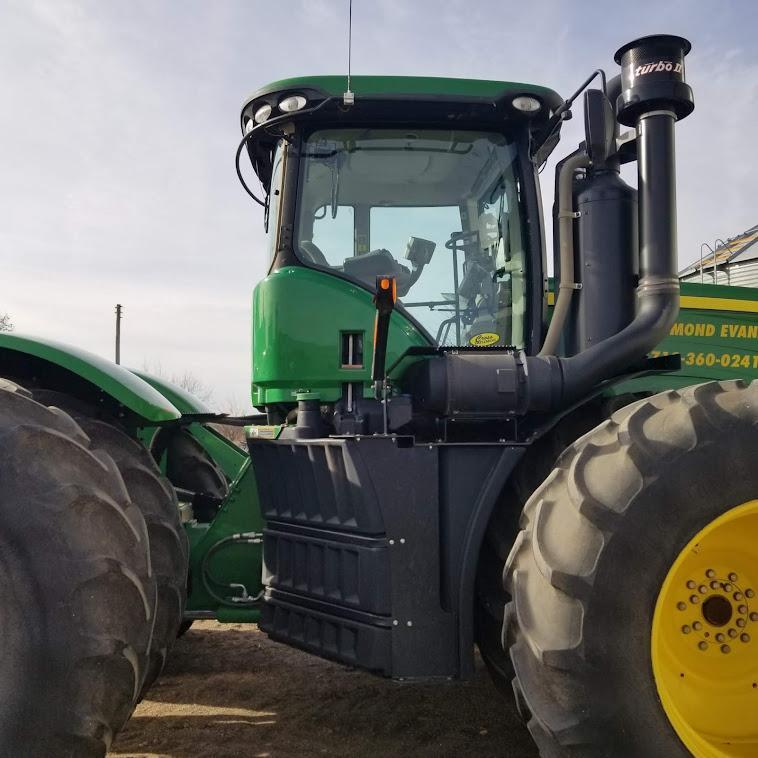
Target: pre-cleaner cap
{"points": [[652, 78]]}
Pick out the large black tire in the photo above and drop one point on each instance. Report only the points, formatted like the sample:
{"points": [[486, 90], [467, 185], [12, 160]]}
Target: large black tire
{"points": [[169, 546], [503, 527], [153, 494], [76, 595], [598, 539]]}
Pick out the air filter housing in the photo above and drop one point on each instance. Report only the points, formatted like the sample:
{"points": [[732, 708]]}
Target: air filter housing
{"points": [[652, 78]]}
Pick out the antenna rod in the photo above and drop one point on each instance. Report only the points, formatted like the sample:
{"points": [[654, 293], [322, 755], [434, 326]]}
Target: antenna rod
{"points": [[349, 40], [118, 332], [348, 98]]}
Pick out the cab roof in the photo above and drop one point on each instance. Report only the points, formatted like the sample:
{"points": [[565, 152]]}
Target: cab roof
{"points": [[416, 87], [387, 99]]}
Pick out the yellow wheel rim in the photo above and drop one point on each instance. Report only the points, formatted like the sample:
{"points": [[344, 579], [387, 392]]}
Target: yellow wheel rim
{"points": [[705, 638]]}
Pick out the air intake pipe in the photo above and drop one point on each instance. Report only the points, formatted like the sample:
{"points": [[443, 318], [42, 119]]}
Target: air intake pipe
{"points": [[653, 97]]}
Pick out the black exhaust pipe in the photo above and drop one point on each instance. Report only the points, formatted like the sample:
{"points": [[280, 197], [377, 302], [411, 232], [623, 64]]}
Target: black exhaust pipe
{"points": [[653, 97]]}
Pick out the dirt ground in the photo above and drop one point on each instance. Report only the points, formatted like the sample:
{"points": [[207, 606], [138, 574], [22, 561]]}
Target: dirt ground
{"points": [[229, 691]]}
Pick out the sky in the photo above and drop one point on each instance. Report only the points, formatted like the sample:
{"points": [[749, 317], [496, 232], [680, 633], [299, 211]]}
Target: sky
{"points": [[119, 120]]}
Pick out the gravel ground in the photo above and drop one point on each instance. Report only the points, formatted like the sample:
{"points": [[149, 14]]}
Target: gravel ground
{"points": [[229, 691]]}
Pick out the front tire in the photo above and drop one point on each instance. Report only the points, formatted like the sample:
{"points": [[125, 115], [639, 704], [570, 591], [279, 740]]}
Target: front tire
{"points": [[156, 499], [169, 546], [598, 542], [77, 598]]}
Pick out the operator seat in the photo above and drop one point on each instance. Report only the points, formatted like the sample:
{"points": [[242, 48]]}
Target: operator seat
{"points": [[365, 267], [368, 266]]}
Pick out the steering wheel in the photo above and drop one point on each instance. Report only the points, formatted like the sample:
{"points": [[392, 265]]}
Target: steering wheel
{"points": [[313, 253]]}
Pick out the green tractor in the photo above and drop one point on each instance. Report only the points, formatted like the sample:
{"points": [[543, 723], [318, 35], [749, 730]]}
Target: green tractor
{"points": [[456, 451]]}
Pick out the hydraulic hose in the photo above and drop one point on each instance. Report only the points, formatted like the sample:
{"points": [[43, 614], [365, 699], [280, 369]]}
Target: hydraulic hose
{"points": [[566, 286], [234, 601]]}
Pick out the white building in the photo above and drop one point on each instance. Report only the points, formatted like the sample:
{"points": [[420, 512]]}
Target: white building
{"points": [[735, 262]]}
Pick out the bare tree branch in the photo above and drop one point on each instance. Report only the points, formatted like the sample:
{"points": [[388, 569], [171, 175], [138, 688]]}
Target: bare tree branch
{"points": [[187, 381]]}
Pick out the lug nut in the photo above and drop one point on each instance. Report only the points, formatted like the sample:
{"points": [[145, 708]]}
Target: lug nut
{"points": [[738, 596], [720, 637], [749, 593], [686, 629], [681, 606], [702, 645], [702, 589], [728, 587], [694, 599], [742, 609], [740, 623], [732, 633], [710, 573], [715, 585], [726, 649], [732, 577], [745, 637], [754, 616], [691, 585], [697, 626]]}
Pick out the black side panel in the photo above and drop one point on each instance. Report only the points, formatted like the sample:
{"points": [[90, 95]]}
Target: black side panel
{"points": [[351, 558], [328, 635], [325, 566], [323, 486], [367, 547]]}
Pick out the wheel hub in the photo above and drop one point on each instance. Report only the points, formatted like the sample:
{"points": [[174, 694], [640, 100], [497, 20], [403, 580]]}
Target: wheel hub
{"points": [[704, 641], [718, 611]]}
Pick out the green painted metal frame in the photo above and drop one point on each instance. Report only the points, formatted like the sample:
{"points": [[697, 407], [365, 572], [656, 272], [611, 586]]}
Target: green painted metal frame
{"points": [[116, 381], [239, 564], [239, 513], [227, 456]]}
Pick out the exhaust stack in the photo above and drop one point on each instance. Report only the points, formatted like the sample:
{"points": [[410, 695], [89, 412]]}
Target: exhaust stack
{"points": [[653, 97]]}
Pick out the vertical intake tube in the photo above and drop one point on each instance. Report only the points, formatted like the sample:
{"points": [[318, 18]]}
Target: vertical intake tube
{"points": [[566, 170]]}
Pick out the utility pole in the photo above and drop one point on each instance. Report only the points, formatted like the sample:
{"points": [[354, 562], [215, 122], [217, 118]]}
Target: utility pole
{"points": [[118, 332]]}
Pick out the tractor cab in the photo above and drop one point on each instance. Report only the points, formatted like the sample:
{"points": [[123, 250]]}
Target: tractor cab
{"points": [[428, 181], [431, 184]]}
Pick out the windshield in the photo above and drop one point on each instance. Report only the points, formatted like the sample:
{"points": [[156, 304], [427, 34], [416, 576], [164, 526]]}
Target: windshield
{"points": [[439, 210]]}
